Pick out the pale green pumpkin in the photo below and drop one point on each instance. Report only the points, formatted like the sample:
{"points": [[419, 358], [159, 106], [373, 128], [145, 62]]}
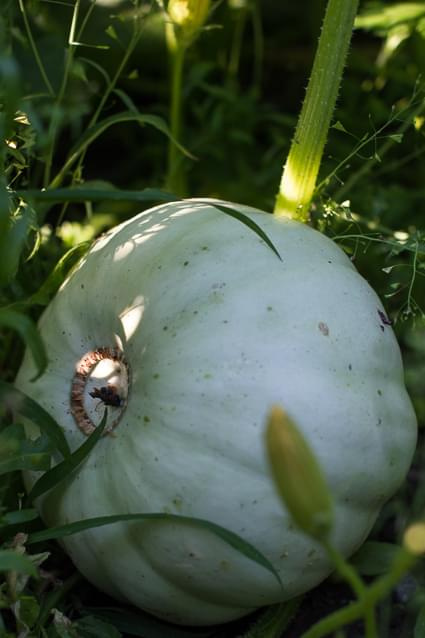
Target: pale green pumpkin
{"points": [[215, 329]]}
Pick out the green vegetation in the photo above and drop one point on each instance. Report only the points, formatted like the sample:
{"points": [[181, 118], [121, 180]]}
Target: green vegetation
{"points": [[94, 130]]}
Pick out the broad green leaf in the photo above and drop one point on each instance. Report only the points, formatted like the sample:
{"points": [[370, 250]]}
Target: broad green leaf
{"points": [[19, 403], [92, 627], [383, 18], [12, 561], [18, 517], [26, 610], [374, 558], [28, 332], [81, 194], [62, 470], [144, 625], [20, 453], [232, 539]]}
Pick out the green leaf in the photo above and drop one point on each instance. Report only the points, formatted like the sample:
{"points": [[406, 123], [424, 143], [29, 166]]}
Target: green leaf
{"points": [[374, 558], [385, 18], [339, 127], [92, 627], [81, 194], [232, 212], [396, 137], [27, 610], [18, 517], [12, 241], [232, 539], [49, 287], [146, 626], [110, 30], [12, 561], [274, 620], [28, 332], [19, 453], [62, 470], [19, 403]]}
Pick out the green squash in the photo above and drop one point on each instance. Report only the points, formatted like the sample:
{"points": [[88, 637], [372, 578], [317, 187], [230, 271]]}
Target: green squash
{"points": [[190, 327]]}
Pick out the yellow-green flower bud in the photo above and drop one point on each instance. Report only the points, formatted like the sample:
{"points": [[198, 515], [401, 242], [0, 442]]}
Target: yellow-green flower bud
{"points": [[298, 476], [188, 18]]}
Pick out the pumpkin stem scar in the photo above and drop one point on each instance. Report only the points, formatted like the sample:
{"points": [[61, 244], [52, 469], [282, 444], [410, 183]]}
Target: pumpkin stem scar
{"points": [[113, 395]]}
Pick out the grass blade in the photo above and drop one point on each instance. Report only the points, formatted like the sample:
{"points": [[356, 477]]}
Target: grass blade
{"points": [[28, 332], [232, 212], [62, 470], [95, 131], [232, 539], [19, 403]]}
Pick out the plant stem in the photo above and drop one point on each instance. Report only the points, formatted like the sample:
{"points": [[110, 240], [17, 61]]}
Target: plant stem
{"points": [[258, 45], [135, 37], [56, 114], [345, 570], [303, 162], [367, 166], [236, 46], [34, 49], [175, 177], [360, 609]]}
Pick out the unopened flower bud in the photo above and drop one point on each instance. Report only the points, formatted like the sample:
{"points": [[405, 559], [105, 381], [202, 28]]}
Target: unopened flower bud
{"points": [[298, 476], [188, 18], [414, 539]]}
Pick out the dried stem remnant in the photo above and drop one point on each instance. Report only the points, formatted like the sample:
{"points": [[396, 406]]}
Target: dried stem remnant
{"points": [[83, 370]]}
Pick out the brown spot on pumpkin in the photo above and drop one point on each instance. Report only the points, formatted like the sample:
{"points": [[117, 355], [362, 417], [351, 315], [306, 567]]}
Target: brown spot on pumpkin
{"points": [[324, 329]]}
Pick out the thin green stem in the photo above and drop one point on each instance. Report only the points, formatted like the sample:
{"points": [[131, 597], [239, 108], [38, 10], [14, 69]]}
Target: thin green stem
{"points": [[111, 85], [367, 166], [345, 570], [303, 162], [34, 49], [175, 177], [56, 114], [373, 594], [236, 46], [370, 620], [257, 27]]}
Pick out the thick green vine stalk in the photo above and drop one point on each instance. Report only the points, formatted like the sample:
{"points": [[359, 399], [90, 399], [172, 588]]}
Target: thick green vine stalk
{"points": [[303, 162]]}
